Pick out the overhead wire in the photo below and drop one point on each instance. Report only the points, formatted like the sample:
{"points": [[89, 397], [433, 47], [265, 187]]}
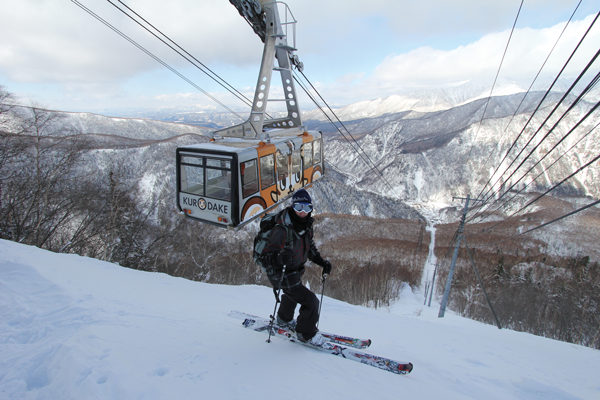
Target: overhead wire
{"points": [[490, 212], [327, 116], [495, 79], [522, 101], [586, 90], [546, 192], [156, 58], [589, 87], [364, 156], [540, 226], [481, 194], [564, 180], [561, 182], [506, 179], [202, 67]]}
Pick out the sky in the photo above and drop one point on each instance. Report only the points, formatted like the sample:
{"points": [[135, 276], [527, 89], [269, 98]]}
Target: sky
{"points": [[77, 328], [54, 54]]}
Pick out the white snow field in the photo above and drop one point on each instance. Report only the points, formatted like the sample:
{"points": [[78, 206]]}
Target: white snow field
{"points": [[77, 328]]}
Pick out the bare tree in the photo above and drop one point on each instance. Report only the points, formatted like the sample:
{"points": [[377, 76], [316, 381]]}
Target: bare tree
{"points": [[39, 179]]}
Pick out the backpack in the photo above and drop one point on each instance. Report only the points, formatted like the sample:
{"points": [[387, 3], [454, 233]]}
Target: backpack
{"points": [[267, 223]]}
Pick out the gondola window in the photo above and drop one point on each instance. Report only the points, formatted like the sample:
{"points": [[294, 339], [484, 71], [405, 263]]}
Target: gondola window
{"points": [[192, 175], [267, 171], [218, 181], [308, 156], [282, 166], [296, 161], [249, 175], [317, 157]]}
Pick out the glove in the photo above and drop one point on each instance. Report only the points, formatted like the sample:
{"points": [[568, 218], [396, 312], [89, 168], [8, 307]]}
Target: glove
{"points": [[326, 267], [285, 257]]}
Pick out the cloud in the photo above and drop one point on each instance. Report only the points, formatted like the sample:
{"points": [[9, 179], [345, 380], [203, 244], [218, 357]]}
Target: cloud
{"points": [[350, 77], [354, 50], [430, 67], [54, 41], [410, 21]]}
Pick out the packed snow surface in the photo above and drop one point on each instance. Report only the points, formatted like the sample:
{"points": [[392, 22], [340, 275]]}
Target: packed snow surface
{"points": [[78, 328]]}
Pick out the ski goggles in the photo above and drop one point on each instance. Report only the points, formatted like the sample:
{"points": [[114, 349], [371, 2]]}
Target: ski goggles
{"points": [[303, 207]]}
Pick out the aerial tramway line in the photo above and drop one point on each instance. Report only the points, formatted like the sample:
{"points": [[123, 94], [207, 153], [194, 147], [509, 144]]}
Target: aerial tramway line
{"points": [[247, 169], [250, 168]]}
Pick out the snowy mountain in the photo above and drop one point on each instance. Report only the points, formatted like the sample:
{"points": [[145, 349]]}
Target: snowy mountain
{"points": [[135, 128], [424, 100], [78, 328], [433, 156]]}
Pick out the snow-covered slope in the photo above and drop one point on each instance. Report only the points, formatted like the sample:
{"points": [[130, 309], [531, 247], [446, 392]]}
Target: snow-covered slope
{"points": [[77, 328], [424, 100]]}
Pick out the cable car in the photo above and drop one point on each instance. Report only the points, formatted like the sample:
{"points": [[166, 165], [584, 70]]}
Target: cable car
{"points": [[250, 168]]}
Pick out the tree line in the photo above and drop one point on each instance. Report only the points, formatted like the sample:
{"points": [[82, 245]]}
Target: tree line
{"points": [[531, 291]]}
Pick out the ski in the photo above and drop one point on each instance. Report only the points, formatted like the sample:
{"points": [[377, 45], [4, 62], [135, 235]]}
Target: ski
{"points": [[333, 338], [262, 325]]}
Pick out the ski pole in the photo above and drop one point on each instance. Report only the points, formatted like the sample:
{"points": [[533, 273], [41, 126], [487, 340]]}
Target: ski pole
{"points": [[277, 301], [321, 303]]}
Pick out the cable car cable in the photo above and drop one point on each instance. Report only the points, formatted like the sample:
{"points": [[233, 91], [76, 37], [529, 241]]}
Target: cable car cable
{"points": [[369, 162], [489, 213], [495, 79], [590, 86], [533, 114], [481, 194], [591, 111], [216, 77], [558, 104], [571, 107], [155, 57], [545, 193], [329, 119], [522, 101], [363, 155], [366, 160], [549, 190], [541, 226]]}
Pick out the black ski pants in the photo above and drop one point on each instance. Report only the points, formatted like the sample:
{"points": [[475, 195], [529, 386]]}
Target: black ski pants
{"points": [[295, 293]]}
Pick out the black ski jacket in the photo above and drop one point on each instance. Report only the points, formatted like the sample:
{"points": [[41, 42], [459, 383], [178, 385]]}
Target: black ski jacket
{"points": [[301, 242]]}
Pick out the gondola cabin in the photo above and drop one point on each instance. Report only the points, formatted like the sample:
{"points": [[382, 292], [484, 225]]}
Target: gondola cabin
{"points": [[230, 182], [252, 167]]}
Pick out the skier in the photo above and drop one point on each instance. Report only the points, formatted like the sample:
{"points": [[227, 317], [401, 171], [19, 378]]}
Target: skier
{"points": [[279, 251]]}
